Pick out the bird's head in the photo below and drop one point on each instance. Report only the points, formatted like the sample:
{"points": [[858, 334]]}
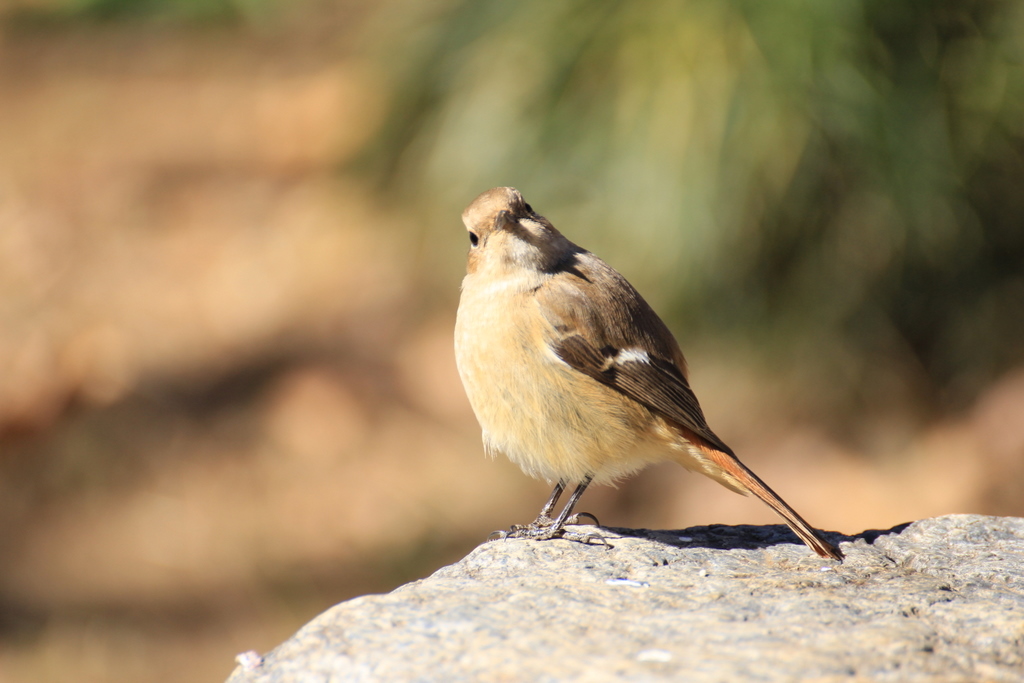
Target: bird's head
{"points": [[506, 234]]}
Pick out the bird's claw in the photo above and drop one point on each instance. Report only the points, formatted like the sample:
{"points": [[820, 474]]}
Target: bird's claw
{"points": [[575, 519]]}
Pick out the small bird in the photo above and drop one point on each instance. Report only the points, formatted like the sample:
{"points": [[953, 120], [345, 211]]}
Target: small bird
{"points": [[572, 375]]}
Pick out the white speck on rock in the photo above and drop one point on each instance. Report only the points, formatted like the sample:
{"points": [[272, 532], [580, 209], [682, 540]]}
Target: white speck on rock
{"points": [[250, 661], [654, 656], [627, 582]]}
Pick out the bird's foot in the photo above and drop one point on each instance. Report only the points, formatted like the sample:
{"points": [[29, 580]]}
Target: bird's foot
{"points": [[543, 528]]}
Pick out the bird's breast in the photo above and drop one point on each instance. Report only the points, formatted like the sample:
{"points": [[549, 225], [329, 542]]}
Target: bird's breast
{"points": [[551, 420]]}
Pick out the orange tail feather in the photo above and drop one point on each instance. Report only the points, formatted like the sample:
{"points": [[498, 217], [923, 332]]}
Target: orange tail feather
{"points": [[750, 481]]}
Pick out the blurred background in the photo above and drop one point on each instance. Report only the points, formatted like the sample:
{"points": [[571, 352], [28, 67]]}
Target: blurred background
{"points": [[230, 252]]}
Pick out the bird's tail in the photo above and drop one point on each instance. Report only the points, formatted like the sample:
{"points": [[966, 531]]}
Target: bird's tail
{"points": [[751, 482]]}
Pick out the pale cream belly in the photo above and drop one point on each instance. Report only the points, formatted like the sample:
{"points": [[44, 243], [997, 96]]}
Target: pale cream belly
{"points": [[552, 421]]}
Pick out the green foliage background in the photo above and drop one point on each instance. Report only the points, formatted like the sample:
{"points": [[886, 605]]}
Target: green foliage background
{"points": [[834, 181]]}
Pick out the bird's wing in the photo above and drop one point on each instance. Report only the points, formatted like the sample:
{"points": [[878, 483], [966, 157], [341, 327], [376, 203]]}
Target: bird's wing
{"points": [[620, 342]]}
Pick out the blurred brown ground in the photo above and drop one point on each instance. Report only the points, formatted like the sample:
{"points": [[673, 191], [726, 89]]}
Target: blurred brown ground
{"points": [[228, 399]]}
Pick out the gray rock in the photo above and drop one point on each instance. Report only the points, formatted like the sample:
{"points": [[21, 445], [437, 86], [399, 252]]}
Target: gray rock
{"points": [[937, 600]]}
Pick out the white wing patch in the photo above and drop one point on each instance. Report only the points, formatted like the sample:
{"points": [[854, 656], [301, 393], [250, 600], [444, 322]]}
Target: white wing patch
{"points": [[632, 355]]}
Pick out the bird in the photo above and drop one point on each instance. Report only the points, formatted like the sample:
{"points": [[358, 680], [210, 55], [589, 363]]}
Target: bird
{"points": [[572, 375]]}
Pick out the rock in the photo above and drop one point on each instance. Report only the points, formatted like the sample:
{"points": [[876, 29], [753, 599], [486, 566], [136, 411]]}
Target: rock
{"points": [[937, 600]]}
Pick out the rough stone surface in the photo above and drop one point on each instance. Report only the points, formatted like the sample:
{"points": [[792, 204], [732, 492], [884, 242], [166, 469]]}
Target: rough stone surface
{"points": [[937, 600]]}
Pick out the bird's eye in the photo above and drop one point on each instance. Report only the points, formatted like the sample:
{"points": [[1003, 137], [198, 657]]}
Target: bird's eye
{"points": [[473, 239], [529, 208]]}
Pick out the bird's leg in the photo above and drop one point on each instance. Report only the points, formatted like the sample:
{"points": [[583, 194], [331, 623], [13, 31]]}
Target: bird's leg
{"points": [[564, 518], [544, 518], [557, 528]]}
